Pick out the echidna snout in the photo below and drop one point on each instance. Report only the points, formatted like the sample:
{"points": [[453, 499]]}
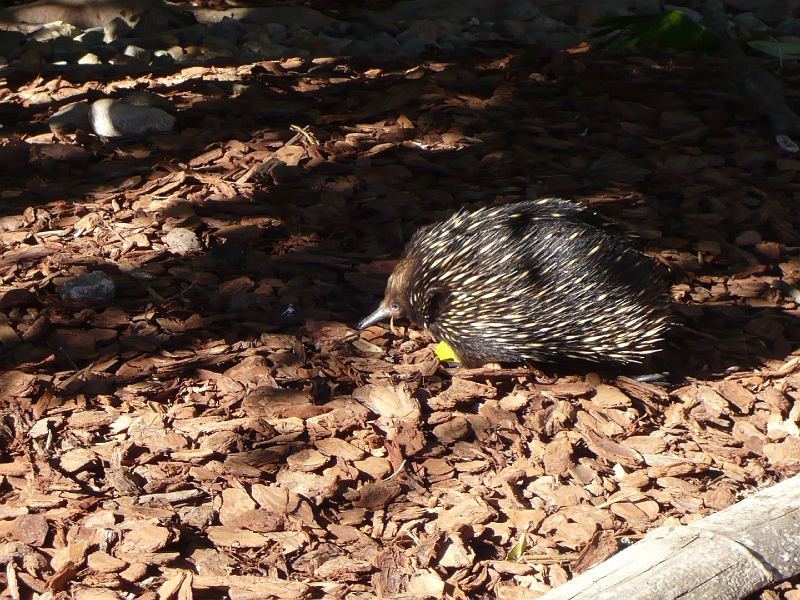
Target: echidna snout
{"points": [[531, 281], [379, 315], [396, 303]]}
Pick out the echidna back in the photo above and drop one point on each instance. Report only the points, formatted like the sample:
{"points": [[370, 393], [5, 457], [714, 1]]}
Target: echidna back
{"points": [[535, 281]]}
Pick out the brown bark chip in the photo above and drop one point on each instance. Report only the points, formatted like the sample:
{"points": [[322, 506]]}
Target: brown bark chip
{"points": [[219, 428]]}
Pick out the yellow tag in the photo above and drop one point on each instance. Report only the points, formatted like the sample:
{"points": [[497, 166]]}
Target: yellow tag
{"points": [[445, 353]]}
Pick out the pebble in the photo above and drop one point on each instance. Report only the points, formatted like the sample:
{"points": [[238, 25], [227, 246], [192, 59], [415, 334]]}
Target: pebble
{"points": [[182, 241], [787, 27], [71, 117], [92, 288], [92, 37], [692, 14], [140, 54], [748, 238], [748, 23], [162, 38], [113, 118], [90, 59], [115, 29]]}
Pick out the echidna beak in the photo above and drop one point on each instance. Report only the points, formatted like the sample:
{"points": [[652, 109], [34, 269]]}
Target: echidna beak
{"points": [[378, 315]]}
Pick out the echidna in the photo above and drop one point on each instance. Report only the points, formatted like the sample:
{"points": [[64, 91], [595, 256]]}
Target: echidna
{"points": [[531, 281]]}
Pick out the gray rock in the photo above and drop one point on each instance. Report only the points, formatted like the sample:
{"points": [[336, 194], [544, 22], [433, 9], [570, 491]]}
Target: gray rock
{"points": [[274, 32], [90, 37], [378, 22], [160, 35], [80, 13], [150, 99], [68, 50], [162, 58], [51, 31], [491, 36], [544, 24], [749, 23], [277, 33], [36, 51], [264, 51], [259, 36], [217, 46], [448, 27], [358, 48], [176, 52], [152, 22], [181, 241], [115, 29], [192, 35], [299, 16], [460, 11], [384, 42], [71, 117], [329, 46], [42, 34], [451, 41], [567, 12], [131, 269], [228, 29], [466, 38], [786, 27], [160, 42], [774, 12], [138, 53], [510, 28], [11, 43], [360, 31], [519, 11], [417, 46], [92, 288], [111, 118], [557, 40], [104, 52], [261, 40], [301, 37], [90, 59], [692, 14], [425, 30]]}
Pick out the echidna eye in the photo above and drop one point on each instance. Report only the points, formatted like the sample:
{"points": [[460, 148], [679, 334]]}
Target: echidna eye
{"points": [[395, 307]]}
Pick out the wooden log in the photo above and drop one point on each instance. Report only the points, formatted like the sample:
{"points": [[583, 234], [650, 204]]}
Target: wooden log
{"points": [[725, 556]]}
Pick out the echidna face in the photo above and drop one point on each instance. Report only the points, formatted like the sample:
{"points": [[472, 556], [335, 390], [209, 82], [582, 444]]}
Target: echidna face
{"points": [[395, 309], [396, 302]]}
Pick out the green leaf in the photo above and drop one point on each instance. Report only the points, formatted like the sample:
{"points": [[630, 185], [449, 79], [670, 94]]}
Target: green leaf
{"points": [[671, 30], [782, 50], [519, 548]]}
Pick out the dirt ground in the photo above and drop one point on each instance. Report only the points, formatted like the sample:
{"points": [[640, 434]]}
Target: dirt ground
{"points": [[220, 427]]}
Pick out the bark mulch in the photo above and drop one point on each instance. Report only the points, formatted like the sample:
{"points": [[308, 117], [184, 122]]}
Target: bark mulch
{"points": [[219, 427]]}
